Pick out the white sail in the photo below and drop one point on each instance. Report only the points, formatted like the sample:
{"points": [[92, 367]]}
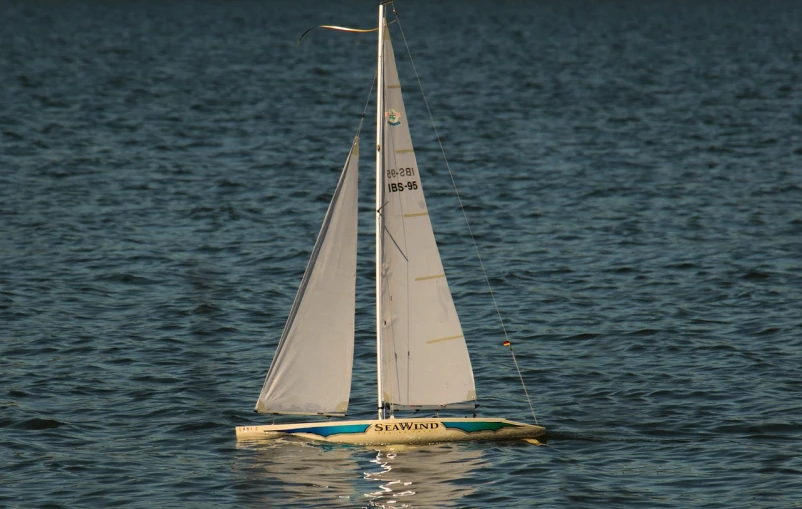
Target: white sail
{"points": [[311, 370], [424, 359]]}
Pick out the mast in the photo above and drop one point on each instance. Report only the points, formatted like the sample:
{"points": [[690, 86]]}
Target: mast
{"points": [[379, 192]]}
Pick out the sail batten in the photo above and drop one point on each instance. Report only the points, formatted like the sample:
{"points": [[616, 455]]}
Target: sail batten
{"points": [[311, 370], [440, 340]]}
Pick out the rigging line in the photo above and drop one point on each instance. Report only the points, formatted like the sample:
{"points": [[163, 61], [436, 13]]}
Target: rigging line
{"points": [[508, 344], [367, 102], [400, 251], [459, 199]]}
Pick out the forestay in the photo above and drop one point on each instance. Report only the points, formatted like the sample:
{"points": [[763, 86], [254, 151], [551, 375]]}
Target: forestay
{"points": [[424, 359], [311, 370]]}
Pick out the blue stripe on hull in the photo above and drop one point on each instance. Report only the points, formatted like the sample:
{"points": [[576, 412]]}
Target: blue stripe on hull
{"points": [[327, 431], [472, 427]]}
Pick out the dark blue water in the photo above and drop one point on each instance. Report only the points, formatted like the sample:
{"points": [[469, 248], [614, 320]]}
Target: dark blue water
{"points": [[631, 170]]}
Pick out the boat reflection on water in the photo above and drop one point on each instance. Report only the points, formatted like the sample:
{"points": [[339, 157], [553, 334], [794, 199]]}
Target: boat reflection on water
{"points": [[295, 473], [430, 476]]}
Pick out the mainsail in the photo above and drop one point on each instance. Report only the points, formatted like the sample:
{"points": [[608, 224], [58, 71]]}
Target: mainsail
{"points": [[311, 370], [424, 360]]}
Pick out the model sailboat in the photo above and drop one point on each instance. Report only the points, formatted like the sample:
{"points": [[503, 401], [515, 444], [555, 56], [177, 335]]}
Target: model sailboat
{"points": [[422, 358]]}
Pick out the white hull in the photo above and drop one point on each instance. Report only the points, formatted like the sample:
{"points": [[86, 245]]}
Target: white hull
{"points": [[398, 431]]}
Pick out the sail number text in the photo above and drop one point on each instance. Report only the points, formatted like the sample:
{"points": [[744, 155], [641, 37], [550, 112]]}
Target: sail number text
{"points": [[400, 172], [401, 186]]}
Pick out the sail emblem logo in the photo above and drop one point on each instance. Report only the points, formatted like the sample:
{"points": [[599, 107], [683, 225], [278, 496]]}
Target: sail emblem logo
{"points": [[393, 117]]}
